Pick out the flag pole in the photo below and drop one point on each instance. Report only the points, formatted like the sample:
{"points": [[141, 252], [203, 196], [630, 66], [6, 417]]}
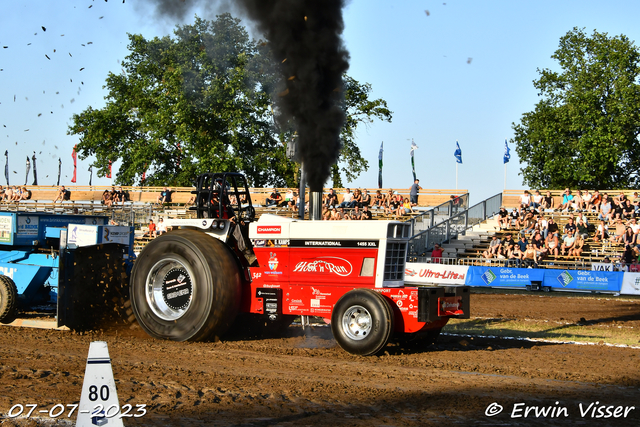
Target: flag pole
{"points": [[505, 176], [456, 175]]}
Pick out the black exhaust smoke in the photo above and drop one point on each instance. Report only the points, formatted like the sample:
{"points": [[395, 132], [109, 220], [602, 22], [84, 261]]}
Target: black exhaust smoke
{"points": [[305, 38]]}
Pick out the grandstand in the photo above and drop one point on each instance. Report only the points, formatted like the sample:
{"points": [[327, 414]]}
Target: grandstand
{"points": [[464, 247]]}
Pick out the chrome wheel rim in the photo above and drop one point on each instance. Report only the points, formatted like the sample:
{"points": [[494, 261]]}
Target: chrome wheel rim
{"points": [[357, 322]]}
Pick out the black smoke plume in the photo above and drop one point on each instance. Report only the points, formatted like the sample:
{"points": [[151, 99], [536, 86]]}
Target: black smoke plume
{"points": [[305, 38]]}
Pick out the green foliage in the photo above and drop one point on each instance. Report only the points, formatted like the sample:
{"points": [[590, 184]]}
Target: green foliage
{"points": [[584, 131], [200, 101]]}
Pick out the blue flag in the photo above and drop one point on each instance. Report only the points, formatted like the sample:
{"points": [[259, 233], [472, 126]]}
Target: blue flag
{"points": [[507, 156], [458, 153]]}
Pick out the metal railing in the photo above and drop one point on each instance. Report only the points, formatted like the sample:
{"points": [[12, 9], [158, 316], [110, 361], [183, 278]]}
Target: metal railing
{"points": [[438, 214], [452, 227]]}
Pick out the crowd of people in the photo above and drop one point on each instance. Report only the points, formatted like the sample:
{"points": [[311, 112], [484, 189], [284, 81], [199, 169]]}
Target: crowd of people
{"points": [[351, 205], [539, 236], [14, 194]]}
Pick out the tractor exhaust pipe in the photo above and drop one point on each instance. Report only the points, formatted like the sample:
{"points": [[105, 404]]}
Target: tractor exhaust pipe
{"points": [[315, 208]]}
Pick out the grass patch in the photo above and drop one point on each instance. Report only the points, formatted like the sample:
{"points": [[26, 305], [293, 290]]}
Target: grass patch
{"points": [[553, 331]]}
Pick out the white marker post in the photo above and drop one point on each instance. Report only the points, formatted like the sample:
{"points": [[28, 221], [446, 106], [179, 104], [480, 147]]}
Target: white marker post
{"points": [[99, 405]]}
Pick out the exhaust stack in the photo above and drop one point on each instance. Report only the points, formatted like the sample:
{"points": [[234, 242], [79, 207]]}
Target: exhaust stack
{"points": [[315, 208]]}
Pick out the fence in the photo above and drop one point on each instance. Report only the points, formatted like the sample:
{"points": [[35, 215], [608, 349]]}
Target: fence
{"points": [[452, 227], [438, 214]]}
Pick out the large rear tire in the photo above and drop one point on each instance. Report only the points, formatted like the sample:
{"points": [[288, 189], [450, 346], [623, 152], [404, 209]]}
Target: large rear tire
{"points": [[185, 285], [362, 322], [8, 298]]}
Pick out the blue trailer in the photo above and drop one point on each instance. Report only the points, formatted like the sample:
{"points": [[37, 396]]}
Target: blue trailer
{"points": [[62, 264]]}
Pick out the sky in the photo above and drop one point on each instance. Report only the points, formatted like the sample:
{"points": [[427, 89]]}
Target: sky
{"points": [[458, 70]]}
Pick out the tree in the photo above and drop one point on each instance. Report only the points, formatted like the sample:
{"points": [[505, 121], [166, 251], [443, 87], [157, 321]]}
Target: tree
{"points": [[584, 131], [203, 101]]}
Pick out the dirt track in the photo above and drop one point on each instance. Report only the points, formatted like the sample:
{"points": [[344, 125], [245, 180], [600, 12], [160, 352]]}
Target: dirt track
{"points": [[308, 380]]}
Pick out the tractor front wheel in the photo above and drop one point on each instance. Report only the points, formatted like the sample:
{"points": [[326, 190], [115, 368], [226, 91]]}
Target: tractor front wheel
{"points": [[362, 322]]}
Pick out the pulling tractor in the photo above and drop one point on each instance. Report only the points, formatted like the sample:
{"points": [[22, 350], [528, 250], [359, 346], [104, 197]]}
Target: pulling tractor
{"points": [[225, 271]]}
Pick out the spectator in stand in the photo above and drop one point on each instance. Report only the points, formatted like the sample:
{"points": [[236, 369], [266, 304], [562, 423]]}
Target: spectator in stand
{"points": [[529, 257], [628, 210], [543, 226], [2, 195], [357, 197], [106, 198], [388, 198], [634, 267], [548, 202], [586, 198], [289, 199], [567, 200], [326, 213], [152, 230], [602, 232], [456, 203], [569, 226], [629, 238], [17, 191], [583, 229], [378, 200], [274, 199], [394, 205], [635, 227], [25, 194], [331, 199], [552, 227], [552, 243], [539, 245], [494, 248], [366, 213], [436, 253], [567, 242], [336, 215], [161, 228], [605, 209], [514, 256], [578, 201], [413, 193], [8, 194], [514, 216], [347, 200], [355, 214], [525, 199], [508, 241], [537, 199], [528, 224], [594, 204], [366, 198], [636, 201], [522, 243], [576, 249], [62, 195], [119, 195], [620, 199], [165, 196], [406, 207], [619, 231], [503, 218], [292, 203]]}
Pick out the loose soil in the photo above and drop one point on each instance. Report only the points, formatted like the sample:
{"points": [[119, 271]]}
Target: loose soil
{"points": [[305, 379]]}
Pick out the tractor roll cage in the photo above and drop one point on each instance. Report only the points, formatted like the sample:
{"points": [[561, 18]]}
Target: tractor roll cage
{"points": [[224, 196]]}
